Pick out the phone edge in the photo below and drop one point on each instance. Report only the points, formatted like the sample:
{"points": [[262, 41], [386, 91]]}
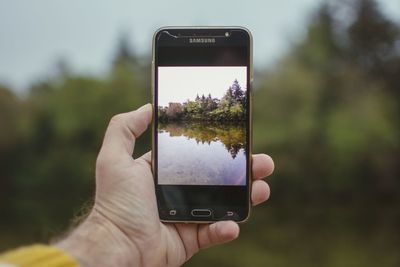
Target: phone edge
{"points": [[251, 72]]}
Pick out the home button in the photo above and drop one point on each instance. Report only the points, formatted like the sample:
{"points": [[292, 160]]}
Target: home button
{"points": [[201, 213]]}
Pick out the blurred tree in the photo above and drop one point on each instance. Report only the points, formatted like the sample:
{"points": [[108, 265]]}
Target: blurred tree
{"points": [[124, 53], [374, 48], [10, 140], [9, 117], [323, 105], [373, 44]]}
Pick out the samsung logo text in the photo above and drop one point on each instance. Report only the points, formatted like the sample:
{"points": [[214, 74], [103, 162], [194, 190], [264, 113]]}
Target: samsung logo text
{"points": [[202, 40]]}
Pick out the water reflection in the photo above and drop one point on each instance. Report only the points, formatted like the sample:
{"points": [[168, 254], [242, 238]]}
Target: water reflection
{"points": [[232, 136], [199, 153]]}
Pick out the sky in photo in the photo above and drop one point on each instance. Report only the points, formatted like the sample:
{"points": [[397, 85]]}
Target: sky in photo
{"points": [[178, 84]]}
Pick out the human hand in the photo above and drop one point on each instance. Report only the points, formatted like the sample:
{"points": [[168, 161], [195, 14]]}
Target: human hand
{"points": [[123, 228]]}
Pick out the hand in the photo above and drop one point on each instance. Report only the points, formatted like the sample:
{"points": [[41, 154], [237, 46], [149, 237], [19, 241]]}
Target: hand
{"points": [[123, 228]]}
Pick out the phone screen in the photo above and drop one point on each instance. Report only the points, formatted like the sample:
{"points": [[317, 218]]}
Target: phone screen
{"points": [[202, 124]]}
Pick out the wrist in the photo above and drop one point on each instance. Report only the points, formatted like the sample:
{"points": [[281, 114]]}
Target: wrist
{"points": [[98, 242]]}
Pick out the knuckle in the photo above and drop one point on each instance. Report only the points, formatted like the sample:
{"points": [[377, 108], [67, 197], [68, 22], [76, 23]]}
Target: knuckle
{"points": [[102, 164], [117, 119]]}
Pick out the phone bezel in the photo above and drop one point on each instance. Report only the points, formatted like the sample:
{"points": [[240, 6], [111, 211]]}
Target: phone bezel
{"points": [[249, 123]]}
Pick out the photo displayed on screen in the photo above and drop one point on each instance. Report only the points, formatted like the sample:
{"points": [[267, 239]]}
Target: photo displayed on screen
{"points": [[202, 125]]}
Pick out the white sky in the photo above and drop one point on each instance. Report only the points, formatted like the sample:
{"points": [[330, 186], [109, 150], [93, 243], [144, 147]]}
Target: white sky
{"points": [[178, 84]]}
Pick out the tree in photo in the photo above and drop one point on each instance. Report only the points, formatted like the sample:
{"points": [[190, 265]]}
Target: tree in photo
{"points": [[231, 107]]}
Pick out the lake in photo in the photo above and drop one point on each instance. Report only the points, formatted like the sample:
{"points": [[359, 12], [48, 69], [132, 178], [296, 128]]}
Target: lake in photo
{"points": [[201, 153]]}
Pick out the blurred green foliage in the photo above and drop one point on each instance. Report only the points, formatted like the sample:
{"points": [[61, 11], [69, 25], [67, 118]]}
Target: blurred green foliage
{"points": [[328, 113]]}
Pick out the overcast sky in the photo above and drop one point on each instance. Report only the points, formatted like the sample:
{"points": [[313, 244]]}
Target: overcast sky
{"points": [[35, 34], [178, 84]]}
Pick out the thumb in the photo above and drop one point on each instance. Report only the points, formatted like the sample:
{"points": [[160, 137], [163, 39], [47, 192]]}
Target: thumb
{"points": [[123, 130]]}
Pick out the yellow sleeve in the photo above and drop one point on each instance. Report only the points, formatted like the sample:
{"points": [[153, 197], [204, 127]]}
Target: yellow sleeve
{"points": [[35, 256]]}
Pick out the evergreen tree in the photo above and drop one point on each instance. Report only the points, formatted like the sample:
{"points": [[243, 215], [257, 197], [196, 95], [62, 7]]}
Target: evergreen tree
{"points": [[211, 103], [203, 99], [228, 99], [237, 92], [374, 45], [124, 54]]}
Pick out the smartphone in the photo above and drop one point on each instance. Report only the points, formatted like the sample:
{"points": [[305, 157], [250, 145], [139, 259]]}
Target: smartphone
{"points": [[201, 80]]}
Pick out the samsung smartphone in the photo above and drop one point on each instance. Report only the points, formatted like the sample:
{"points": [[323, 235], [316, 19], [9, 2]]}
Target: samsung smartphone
{"points": [[202, 80]]}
